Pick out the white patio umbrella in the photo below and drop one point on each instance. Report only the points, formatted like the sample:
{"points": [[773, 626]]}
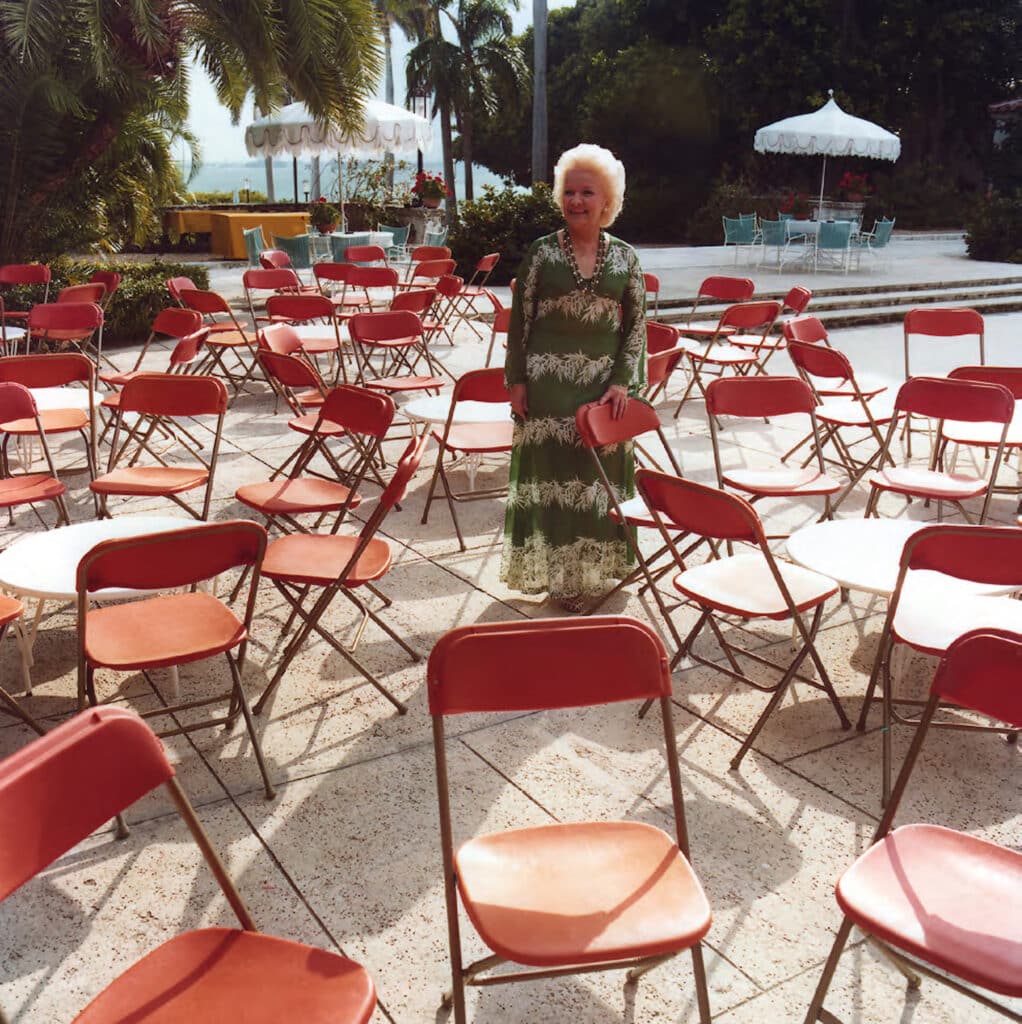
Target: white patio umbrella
{"points": [[829, 131], [293, 131]]}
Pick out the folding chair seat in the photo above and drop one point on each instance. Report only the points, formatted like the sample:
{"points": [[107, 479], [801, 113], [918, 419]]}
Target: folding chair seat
{"points": [[461, 439], [176, 285], [59, 370], [763, 397], [721, 353], [938, 322], [423, 253], [315, 325], [941, 902], [465, 307], [360, 416], [11, 611], [652, 283], [366, 255], [399, 338], [943, 400], [979, 567], [568, 897], [66, 324], [173, 322], [58, 789], [158, 400], [749, 586], [226, 338], [717, 289], [335, 564], [18, 405]]}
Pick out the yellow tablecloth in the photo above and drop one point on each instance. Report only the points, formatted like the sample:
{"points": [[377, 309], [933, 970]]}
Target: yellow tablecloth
{"points": [[225, 227]]}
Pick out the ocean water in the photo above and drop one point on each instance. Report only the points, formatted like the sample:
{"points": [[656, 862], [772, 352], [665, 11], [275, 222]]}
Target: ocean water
{"points": [[229, 177]]}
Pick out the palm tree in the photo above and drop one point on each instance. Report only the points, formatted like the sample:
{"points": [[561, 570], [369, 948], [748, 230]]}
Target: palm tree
{"points": [[539, 119], [75, 73]]}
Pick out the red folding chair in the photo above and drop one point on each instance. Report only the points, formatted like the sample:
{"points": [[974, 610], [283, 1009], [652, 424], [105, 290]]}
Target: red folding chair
{"points": [[448, 288], [171, 629], [333, 564], [465, 440], [652, 283], [316, 327], [59, 789], [15, 275], [398, 338], [368, 279], [943, 400], [763, 397], [499, 329], [93, 292], [277, 259], [752, 585], [936, 322], [426, 273], [226, 338], [663, 345], [65, 324], [928, 613], [18, 405], [940, 902], [464, 307], [176, 285], [279, 281], [717, 289], [328, 276], [110, 279], [425, 253], [157, 400], [366, 254], [11, 611], [569, 897]]}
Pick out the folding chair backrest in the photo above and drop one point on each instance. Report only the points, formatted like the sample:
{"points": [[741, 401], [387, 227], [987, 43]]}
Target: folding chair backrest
{"points": [[48, 370], [808, 329], [281, 338], [982, 670], [64, 316], [430, 252], [187, 349], [433, 268], [372, 277], [727, 289], [110, 278], [173, 558], [501, 320], [24, 273], [334, 272], [176, 322], [938, 322], [486, 385], [300, 307], [359, 410], [365, 254], [699, 509], [384, 326], [205, 302], [941, 398], [991, 555], [660, 337], [274, 259], [176, 285], [415, 300], [598, 428], [484, 268], [16, 402], [449, 285], [83, 293], [289, 370], [660, 366], [396, 488], [652, 283], [758, 396], [751, 315], [542, 664], [260, 279], [796, 300], [820, 361], [164, 394], [1007, 376], [59, 789]]}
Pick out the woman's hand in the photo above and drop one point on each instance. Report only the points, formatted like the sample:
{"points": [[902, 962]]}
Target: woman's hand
{"points": [[617, 395], [519, 400]]}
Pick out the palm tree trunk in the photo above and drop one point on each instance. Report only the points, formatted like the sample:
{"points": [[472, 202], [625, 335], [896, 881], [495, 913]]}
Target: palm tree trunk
{"points": [[388, 92], [448, 152], [540, 158], [466, 150]]}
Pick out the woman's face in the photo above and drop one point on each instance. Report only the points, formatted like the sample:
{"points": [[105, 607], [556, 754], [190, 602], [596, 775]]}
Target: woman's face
{"points": [[584, 200]]}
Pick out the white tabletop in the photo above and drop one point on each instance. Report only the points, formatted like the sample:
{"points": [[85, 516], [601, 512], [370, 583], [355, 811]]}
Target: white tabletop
{"points": [[314, 332], [865, 554], [434, 409], [60, 398], [44, 565], [384, 238]]}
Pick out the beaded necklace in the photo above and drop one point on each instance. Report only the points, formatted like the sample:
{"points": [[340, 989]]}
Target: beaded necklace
{"points": [[582, 283]]}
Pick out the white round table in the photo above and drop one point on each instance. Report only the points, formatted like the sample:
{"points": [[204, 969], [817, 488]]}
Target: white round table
{"points": [[61, 398]]}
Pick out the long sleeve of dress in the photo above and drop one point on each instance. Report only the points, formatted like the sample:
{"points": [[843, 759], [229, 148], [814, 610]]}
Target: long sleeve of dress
{"points": [[629, 369], [521, 320]]}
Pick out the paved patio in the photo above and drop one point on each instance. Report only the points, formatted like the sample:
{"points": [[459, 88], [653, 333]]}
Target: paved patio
{"points": [[347, 856]]}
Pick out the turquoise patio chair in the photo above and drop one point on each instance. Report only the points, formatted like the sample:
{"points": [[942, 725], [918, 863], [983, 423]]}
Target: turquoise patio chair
{"points": [[398, 249], [834, 244], [739, 232], [254, 244], [298, 249], [774, 234], [339, 246], [874, 241], [435, 237]]}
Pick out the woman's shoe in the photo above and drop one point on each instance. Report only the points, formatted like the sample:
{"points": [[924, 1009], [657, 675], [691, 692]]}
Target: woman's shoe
{"points": [[576, 604]]}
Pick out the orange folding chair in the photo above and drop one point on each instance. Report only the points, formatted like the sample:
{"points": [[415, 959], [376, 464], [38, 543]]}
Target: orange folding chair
{"points": [[940, 902], [333, 564], [359, 416], [399, 338], [448, 288], [15, 275], [11, 611], [663, 345], [652, 283], [927, 614], [226, 338], [110, 279], [173, 322], [937, 322], [569, 897], [717, 289], [796, 301], [756, 334], [16, 406], [157, 400], [944, 400], [365, 255], [316, 327], [95, 292], [62, 787], [751, 585], [63, 324], [328, 276], [176, 285], [426, 253], [171, 629], [427, 273], [763, 397], [368, 279], [459, 440], [464, 308], [279, 281]]}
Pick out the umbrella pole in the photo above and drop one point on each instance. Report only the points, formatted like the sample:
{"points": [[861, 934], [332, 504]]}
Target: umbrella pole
{"points": [[340, 192], [823, 178], [294, 172]]}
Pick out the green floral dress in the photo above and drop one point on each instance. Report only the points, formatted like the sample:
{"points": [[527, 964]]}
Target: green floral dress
{"points": [[568, 345]]}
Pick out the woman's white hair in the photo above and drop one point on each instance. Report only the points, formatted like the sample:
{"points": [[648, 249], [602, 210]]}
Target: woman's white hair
{"points": [[604, 165]]}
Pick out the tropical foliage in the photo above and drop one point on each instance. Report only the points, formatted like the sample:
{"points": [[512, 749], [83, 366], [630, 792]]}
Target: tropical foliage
{"points": [[994, 229]]}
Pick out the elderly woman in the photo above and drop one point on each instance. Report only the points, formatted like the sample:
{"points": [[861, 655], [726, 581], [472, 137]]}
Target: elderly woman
{"points": [[577, 335]]}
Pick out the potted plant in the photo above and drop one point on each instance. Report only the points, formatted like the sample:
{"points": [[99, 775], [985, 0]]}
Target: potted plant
{"points": [[430, 188], [853, 187], [796, 204], [324, 216]]}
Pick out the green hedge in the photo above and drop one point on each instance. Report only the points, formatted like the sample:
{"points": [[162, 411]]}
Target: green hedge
{"points": [[994, 229], [507, 221], [141, 295]]}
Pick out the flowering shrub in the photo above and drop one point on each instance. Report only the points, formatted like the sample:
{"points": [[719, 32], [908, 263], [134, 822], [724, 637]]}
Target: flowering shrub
{"points": [[795, 203], [322, 213], [430, 186], [853, 185]]}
